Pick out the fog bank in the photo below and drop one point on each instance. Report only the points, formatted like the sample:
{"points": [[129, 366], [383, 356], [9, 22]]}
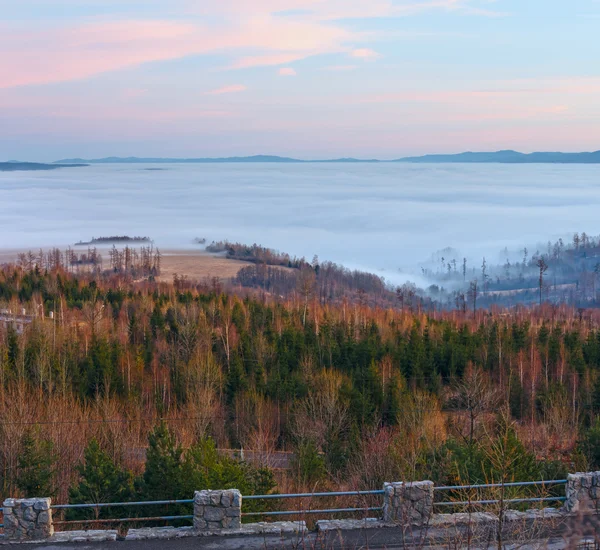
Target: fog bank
{"points": [[377, 217]]}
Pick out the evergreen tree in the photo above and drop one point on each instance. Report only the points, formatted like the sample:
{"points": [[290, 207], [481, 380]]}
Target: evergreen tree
{"points": [[308, 464], [204, 468], [36, 463], [101, 480], [590, 444], [595, 397], [162, 476]]}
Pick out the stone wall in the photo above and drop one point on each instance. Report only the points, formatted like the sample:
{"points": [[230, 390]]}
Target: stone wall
{"points": [[27, 519], [217, 510], [582, 492], [408, 503]]}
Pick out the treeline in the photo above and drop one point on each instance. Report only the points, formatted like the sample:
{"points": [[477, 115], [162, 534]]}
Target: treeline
{"points": [[255, 253], [328, 282], [138, 262], [560, 272], [359, 394], [55, 259]]}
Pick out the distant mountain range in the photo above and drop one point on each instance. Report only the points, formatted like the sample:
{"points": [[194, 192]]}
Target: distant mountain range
{"points": [[15, 165], [504, 157], [160, 160], [512, 157]]}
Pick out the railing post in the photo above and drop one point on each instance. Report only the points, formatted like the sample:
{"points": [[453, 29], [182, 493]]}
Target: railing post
{"points": [[583, 492], [217, 510], [27, 519], [408, 503]]}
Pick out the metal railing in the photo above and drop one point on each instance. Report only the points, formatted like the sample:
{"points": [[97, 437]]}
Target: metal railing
{"points": [[364, 509], [99, 505], [502, 486], [369, 508]]}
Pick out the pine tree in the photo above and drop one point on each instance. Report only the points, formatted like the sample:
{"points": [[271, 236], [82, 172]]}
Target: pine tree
{"points": [[309, 464], [162, 476], [36, 466], [101, 481]]}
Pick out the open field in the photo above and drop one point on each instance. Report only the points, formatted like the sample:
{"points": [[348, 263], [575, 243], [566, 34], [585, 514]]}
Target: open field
{"points": [[197, 265], [194, 264]]}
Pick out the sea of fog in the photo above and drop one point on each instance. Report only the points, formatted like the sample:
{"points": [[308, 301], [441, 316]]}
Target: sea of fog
{"points": [[386, 218]]}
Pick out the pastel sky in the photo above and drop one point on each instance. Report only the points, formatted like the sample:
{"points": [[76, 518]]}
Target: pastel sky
{"points": [[306, 78]]}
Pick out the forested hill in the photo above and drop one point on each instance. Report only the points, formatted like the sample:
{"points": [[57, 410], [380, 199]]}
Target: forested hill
{"points": [[359, 395]]}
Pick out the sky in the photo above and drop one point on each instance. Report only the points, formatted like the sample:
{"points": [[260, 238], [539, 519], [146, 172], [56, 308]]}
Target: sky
{"points": [[304, 78]]}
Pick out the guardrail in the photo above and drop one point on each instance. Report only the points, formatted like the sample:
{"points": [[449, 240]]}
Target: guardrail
{"points": [[321, 511], [222, 509], [314, 495], [97, 507], [503, 486]]}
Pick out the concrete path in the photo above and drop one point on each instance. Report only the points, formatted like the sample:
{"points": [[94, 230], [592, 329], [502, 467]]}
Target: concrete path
{"points": [[388, 539]]}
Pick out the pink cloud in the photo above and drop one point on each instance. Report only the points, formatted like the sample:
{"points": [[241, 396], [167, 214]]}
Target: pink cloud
{"points": [[265, 60], [234, 88], [77, 52], [61, 54], [252, 33], [325, 10], [340, 68], [287, 71], [518, 90], [365, 53]]}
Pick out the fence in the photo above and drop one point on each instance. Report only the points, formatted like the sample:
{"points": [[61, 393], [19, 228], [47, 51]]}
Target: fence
{"points": [[462, 489], [411, 503], [97, 507]]}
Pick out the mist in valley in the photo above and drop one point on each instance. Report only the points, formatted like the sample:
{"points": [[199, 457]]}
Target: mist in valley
{"points": [[389, 218]]}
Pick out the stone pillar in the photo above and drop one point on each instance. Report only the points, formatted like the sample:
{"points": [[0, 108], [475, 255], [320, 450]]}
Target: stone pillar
{"points": [[217, 510], [408, 503], [583, 492], [27, 519]]}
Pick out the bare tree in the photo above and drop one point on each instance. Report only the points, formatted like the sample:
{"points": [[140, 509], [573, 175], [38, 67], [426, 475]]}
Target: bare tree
{"points": [[473, 292], [400, 296], [475, 395], [323, 414], [484, 275], [306, 287], [542, 266]]}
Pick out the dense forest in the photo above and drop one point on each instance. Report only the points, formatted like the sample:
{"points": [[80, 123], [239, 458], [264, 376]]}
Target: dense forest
{"points": [[133, 381]]}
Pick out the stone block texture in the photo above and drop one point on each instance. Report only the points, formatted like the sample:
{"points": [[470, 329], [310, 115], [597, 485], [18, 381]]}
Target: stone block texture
{"points": [[408, 503], [582, 492], [215, 510], [27, 519]]}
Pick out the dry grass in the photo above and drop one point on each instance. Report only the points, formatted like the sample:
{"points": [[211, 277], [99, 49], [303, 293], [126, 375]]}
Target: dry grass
{"points": [[197, 265], [193, 264]]}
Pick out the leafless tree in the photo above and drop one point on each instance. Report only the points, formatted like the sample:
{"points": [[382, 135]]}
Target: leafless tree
{"points": [[543, 267], [306, 288], [475, 395], [473, 293]]}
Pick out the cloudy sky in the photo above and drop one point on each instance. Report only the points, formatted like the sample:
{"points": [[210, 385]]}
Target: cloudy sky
{"points": [[308, 78]]}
